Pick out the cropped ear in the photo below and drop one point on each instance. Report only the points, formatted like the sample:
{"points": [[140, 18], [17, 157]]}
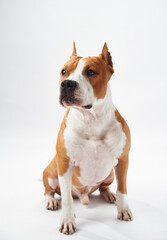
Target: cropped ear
{"points": [[106, 56], [74, 53]]}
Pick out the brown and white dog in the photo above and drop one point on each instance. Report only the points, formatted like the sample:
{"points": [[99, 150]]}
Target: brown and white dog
{"points": [[93, 139]]}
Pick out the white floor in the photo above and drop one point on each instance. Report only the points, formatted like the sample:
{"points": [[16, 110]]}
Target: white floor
{"points": [[22, 209]]}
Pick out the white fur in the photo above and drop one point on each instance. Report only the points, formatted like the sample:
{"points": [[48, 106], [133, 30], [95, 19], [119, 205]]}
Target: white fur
{"points": [[94, 139], [53, 182], [122, 201], [67, 217]]}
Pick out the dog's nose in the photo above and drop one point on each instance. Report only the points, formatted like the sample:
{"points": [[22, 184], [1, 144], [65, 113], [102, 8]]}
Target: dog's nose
{"points": [[68, 84]]}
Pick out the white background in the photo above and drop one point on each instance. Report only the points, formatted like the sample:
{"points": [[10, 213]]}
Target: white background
{"points": [[36, 39]]}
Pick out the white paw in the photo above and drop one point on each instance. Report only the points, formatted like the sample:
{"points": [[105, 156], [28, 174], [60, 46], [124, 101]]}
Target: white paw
{"points": [[68, 226], [124, 212], [51, 203], [109, 196], [125, 215]]}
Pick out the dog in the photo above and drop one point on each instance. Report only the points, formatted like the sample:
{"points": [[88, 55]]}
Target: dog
{"points": [[93, 140]]}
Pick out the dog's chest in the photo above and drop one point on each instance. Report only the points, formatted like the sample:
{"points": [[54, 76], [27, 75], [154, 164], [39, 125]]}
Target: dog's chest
{"points": [[93, 147]]}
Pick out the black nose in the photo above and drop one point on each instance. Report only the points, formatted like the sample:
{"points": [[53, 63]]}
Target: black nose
{"points": [[68, 84]]}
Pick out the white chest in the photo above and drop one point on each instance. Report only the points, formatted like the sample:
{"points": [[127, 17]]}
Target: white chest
{"points": [[93, 145]]}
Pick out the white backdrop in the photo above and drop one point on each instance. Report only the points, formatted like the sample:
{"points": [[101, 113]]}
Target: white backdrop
{"points": [[36, 39]]}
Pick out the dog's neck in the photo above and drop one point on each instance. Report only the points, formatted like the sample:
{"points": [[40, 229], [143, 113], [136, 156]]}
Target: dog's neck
{"points": [[102, 110]]}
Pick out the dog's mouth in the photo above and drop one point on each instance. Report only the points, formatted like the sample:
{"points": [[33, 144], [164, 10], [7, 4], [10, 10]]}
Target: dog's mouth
{"points": [[71, 101], [89, 106]]}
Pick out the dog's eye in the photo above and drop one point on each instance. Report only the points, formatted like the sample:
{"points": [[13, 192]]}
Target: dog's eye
{"points": [[90, 73], [63, 72]]}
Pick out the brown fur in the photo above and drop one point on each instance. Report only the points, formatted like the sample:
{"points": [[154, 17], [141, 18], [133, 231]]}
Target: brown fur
{"points": [[74, 53], [123, 161], [75, 175], [62, 159], [98, 81], [106, 56], [50, 172]]}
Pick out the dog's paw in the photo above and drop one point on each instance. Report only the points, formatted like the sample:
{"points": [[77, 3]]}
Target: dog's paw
{"points": [[51, 203], [68, 226], [108, 196], [125, 215]]}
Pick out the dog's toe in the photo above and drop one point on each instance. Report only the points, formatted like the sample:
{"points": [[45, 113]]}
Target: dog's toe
{"points": [[108, 196], [125, 215], [51, 203], [67, 227]]}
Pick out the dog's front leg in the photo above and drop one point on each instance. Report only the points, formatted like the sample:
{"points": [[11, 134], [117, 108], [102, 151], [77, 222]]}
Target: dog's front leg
{"points": [[124, 212], [67, 225]]}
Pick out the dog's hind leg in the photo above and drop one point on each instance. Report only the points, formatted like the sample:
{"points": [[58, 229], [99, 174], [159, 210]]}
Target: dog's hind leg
{"points": [[50, 181], [104, 188]]}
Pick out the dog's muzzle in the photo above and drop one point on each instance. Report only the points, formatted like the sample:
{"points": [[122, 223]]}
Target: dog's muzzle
{"points": [[67, 92], [68, 88]]}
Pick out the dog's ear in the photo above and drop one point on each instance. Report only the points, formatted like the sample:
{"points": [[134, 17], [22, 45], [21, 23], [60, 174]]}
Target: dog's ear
{"points": [[74, 53], [106, 56]]}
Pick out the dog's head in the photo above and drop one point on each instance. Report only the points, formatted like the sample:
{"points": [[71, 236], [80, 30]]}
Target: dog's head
{"points": [[83, 81]]}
